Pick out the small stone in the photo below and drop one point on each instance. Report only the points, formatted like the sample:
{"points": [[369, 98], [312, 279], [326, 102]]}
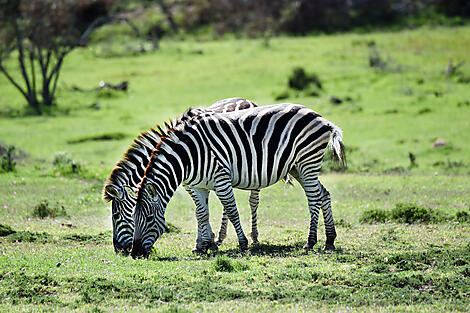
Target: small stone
{"points": [[439, 143]]}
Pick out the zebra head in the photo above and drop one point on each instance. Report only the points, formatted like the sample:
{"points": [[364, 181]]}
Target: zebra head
{"points": [[149, 220], [122, 203]]}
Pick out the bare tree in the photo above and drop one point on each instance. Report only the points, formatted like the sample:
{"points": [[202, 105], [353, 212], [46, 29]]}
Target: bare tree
{"points": [[40, 34]]}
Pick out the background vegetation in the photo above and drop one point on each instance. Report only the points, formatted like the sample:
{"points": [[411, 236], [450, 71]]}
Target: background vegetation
{"points": [[401, 208]]}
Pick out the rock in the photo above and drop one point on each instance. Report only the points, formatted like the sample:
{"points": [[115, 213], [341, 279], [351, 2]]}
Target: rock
{"points": [[439, 143]]}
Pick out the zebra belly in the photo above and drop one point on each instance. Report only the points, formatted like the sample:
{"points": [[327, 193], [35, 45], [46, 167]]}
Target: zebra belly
{"points": [[250, 180]]}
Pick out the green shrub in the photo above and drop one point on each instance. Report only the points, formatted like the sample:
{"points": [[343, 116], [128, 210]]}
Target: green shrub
{"points": [[42, 210], [462, 217], [64, 163], [6, 230], [7, 161], [412, 213], [301, 80], [374, 216]]}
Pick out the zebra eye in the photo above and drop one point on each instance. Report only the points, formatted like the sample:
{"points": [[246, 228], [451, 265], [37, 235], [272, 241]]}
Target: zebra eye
{"points": [[149, 218], [130, 192]]}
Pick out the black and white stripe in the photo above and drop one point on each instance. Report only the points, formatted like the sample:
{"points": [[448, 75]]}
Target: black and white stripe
{"points": [[128, 173], [249, 149]]}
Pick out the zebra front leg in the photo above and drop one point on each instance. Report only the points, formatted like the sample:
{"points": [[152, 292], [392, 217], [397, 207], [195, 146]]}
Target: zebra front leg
{"points": [[328, 218], [254, 202], [205, 239], [224, 191]]}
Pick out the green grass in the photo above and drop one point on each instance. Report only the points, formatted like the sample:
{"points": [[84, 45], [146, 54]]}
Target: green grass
{"points": [[381, 267], [66, 261]]}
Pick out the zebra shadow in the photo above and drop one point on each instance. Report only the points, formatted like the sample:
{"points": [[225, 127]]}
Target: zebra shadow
{"points": [[266, 249]]}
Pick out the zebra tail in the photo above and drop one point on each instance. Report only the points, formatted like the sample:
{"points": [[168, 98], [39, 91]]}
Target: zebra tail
{"points": [[337, 147]]}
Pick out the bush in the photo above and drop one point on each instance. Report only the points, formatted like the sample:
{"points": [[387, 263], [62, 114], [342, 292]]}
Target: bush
{"points": [[42, 210], [7, 161], [6, 230], [301, 80], [462, 217], [408, 213], [64, 163], [374, 216], [412, 213]]}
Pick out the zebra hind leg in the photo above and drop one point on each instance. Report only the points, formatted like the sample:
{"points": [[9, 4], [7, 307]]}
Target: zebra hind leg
{"points": [[254, 203], [312, 190], [328, 218], [223, 229]]}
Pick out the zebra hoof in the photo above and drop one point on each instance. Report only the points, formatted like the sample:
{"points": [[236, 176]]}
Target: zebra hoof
{"points": [[214, 246], [329, 247], [219, 242], [243, 247], [199, 251], [308, 246]]}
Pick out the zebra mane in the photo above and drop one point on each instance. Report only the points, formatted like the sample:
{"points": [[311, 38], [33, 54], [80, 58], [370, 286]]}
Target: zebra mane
{"points": [[170, 134], [159, 133]]}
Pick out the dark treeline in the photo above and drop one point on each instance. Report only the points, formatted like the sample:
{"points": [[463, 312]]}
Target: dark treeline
{"points": [[304, 16], [300, 17]]}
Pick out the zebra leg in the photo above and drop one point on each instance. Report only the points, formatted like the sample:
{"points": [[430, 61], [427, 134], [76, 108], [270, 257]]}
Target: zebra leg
{"points": [[224, 191], [254, 202], [205, 238], [328, 218], [223, 229], [311, 186]]}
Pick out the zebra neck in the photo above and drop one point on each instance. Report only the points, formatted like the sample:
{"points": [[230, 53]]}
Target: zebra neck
{"points": [[167, 173]]}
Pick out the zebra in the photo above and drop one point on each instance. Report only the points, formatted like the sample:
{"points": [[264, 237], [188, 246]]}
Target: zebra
{"points": [[248, 149], [121, 185]]}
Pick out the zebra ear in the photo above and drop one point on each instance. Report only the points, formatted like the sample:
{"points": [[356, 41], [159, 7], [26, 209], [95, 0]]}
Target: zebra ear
{"points": [[131, 192], [151, 190], [112, 191]]}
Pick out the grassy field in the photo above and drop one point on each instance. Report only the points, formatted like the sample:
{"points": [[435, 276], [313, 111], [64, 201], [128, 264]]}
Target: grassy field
{"points": [[67, 262]]}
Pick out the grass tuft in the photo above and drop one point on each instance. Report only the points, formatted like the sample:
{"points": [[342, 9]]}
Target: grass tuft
{"points": [[6, 230], [27, 236], [171, 228], [223, 264], [42, 210]]}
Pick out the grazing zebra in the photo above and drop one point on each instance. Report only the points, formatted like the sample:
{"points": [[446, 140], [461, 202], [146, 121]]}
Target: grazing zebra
{"points": [[248, 149], [119, 187]]}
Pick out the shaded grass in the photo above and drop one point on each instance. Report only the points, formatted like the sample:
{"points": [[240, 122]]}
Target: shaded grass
{"points": [[103, 137]]}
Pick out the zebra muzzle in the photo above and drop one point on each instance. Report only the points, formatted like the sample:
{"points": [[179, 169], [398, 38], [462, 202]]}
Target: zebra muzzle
{"points": [[138, 250]]}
